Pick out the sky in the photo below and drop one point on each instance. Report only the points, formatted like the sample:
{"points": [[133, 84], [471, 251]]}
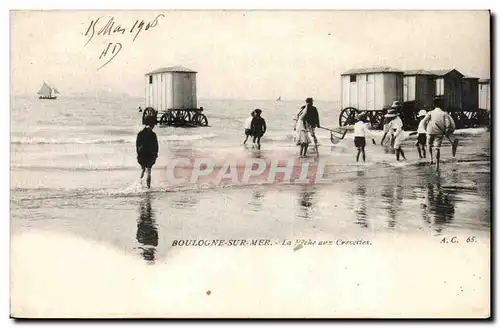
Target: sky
{"points": [[239, 54]]}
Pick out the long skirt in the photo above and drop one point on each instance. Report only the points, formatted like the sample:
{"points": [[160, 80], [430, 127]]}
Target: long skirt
{"points": [[303, 137]]}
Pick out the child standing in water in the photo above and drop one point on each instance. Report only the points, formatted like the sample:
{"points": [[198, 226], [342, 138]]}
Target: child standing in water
{"points": [[147, 147], [258, 127], [394, 127], [422, 137], [302, 134], [360, 133], [248, 126]]}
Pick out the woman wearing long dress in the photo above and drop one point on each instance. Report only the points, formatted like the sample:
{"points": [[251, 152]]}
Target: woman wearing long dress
{"points": [[301, 133]]}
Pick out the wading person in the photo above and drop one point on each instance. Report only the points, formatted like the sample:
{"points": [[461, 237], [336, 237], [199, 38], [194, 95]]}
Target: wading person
{"points": [[258, 128], [248, 127], [147, 147], [301, 133], [421, 135], [360, 133], [394, 127], [438, 124], [311, 118]]}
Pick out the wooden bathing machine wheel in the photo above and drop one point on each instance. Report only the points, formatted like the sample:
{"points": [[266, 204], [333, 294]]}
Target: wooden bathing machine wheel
{"points": [[199, 119], [183, 118], [476, 118], [348, 117]]}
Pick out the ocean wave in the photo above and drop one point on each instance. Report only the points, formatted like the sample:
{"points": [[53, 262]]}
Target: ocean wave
{"points": [[71, 141], [44, 141], [176, 137]]}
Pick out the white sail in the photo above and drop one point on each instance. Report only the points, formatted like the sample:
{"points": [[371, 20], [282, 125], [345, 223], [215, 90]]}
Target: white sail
{"points": [[47, 91]]}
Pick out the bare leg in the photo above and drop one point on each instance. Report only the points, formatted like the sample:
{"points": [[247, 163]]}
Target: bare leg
{"points": [[438, 155], [402, 153], [244, 142], [148, 178], [419, 152], [142, 172], [430, 154], [305, 149]]}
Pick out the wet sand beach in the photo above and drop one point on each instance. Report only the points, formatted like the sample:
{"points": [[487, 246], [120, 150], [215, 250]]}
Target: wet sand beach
{"points": [[88, 240]]}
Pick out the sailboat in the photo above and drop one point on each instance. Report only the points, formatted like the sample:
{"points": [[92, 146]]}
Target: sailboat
{"points": [[47, 92], [279, 98]]}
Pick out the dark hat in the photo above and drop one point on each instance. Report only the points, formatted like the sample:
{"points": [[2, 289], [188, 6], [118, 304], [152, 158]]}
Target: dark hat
{"points": [[395, 104], [258, 111], [149, 116], [309, 100], [438, 102]]}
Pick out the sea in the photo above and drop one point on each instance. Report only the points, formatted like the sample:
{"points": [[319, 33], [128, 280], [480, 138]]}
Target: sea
{"points": [[75, 185]]}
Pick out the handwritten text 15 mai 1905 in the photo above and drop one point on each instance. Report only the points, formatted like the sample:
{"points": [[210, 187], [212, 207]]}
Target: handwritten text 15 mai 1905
{"points": [[99, 27]]}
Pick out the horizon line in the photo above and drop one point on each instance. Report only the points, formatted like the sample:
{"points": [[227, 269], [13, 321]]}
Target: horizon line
{"points": [[117, 95]]}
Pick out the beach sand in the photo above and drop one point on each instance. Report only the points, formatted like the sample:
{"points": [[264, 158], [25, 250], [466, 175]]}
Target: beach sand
{"points": [[88, 240]]}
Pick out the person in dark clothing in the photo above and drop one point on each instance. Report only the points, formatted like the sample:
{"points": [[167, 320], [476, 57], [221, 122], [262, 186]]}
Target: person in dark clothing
{"points": [[311, 118], [248, 127], [258, 127], [147, 148]]}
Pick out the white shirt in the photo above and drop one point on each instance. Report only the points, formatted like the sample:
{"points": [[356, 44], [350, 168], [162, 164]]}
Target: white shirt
{"points": [[361, 129], [248, 123], [421, 126], [395, 126], [437, 121]]}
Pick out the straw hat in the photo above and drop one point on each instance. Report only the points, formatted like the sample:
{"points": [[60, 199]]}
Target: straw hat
{"points": [[421, 113], [391, 113]]}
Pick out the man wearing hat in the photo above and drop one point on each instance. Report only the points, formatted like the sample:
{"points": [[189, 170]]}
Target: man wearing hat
{"points": [[422, 137], [311, 118], [394, 126], [438, 124]]}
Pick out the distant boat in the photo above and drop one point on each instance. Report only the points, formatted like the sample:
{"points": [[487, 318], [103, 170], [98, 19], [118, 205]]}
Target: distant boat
{"points": [[279, 98], [47, 92]]}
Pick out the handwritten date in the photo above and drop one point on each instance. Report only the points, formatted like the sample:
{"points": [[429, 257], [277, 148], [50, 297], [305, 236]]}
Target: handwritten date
{"points": [[111, 28]]}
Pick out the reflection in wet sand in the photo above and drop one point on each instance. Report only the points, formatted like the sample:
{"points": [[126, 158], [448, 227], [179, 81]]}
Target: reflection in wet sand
{"points": [[359, 200], [147, 232], [184, 201], [441, 204], [256, 201], [306, 198], [392, 195]]}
